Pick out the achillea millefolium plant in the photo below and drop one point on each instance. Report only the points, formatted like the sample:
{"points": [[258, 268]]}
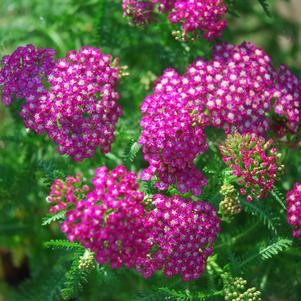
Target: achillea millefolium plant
{"points": [[150, 150]]}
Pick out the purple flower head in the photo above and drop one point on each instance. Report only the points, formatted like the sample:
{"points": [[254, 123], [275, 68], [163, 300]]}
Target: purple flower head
{"points": [[172, 135], [200, 15], [22, 76], [236, 87], [293, 201], [183, 233], [82, 104], [109, 220], [288, 99], [140, 12]]}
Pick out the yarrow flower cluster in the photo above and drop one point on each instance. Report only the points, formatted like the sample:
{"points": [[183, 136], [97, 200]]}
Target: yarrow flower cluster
{"points": [[22, 76], [183, 233], [254, 161], [173, 135], [111, 221], [236, 87], [140, 12], [288, 99], [293, 201], [195, 15], [200, 15], [82, 103], [72, 99]]}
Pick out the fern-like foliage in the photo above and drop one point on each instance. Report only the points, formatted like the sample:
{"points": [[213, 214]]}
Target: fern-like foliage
{"points": [[75, 278], [267, 252], [50, 218], [63, 244], [266, 7], [262, 213], [131, 151]]}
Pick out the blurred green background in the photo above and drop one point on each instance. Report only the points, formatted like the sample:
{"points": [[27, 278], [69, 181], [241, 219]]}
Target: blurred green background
{"points": [[28, 163]]}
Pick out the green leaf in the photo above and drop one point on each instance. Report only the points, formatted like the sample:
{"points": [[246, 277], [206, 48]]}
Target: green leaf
{"points": [[50, 218], [266, 7], [62, 244]]}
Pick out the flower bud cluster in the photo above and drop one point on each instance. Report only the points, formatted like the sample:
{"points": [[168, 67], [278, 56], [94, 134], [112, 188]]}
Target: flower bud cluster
{"points": [[254, 161], [112, 222], [86, 261], [72, 99], [293, 201], [195, 15], [183, 233], [65, 193], [236, 291], [230, 205]]}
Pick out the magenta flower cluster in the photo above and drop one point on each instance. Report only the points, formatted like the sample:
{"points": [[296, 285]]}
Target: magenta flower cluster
{"points": [[233, 91], [72, 99], [288, 99], [254, 161], [173, 134], [22, 76], [293, 201], [140, 12], [183, 232], [194, 15], [111, 221], [235, 87], [200, 15]]}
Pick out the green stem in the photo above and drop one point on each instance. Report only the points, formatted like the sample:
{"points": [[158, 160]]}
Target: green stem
{"points": [[239, 236]]}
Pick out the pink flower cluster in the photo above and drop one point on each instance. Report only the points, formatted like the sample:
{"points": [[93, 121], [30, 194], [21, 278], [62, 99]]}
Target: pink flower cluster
{"points": [[72, 99], [23, 72], [233, 91], [200, 15], [173, 135], [293, 201], [22, 76], [140, 12], [254, 161], [82, 104], [111, 221], [288, 98], [183, 232], [196, 15]]}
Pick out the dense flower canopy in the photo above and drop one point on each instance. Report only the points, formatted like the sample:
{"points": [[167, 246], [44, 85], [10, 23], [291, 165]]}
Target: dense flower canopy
{"points": [[239, 90], [111, 220]]}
